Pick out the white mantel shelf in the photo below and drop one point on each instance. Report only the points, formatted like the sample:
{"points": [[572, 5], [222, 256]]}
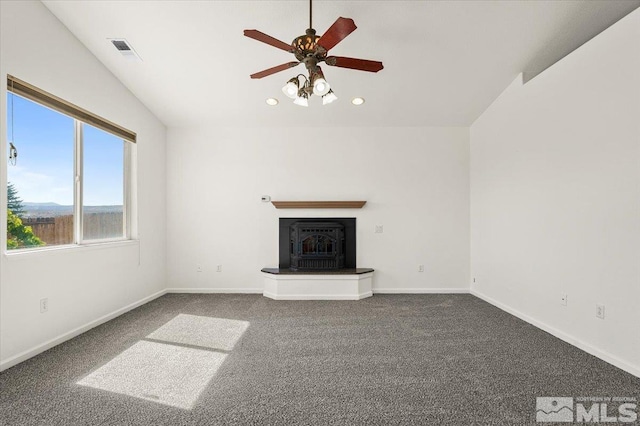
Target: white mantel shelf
{"points": [[318, 286]]}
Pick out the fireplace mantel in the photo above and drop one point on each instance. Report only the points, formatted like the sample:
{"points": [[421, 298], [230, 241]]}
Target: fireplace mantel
{"points": [[318, 204]]}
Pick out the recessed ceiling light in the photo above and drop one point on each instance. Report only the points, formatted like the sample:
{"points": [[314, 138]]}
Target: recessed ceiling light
{"points": [[357, 101], [272, 101]]}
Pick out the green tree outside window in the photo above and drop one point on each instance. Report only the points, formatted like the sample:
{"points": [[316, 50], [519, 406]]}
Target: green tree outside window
{"points": [[18, 234]]}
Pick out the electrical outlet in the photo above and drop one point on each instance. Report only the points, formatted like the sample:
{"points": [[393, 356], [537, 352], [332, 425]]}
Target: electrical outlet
{"points": [[198, 268], [420, 268], [600, 311], [379, 229], [563, 299], [44, 305], [219, 268]]}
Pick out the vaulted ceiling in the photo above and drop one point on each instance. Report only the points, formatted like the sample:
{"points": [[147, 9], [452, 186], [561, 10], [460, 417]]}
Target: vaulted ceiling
{"points": [[445, 61]]}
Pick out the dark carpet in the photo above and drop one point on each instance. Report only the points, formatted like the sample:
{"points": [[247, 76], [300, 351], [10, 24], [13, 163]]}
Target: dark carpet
{"points": [[389, 359]]}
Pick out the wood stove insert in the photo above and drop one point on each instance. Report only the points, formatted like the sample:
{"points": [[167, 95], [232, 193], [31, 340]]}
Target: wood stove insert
{"points": [[317, 244]]}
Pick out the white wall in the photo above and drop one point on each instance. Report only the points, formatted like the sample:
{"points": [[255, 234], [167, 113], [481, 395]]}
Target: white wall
{"points": [[415, 182], [82, 284], [555, 197]]}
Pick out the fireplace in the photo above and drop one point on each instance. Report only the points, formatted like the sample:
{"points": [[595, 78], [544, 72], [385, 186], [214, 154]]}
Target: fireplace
{"points": [[316, 244]]}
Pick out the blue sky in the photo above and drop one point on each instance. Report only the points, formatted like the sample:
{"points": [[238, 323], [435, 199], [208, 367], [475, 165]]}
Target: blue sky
{"points": [[44, 171]]}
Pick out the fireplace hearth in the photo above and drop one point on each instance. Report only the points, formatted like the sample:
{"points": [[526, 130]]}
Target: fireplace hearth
{"points": [[317, 244]]}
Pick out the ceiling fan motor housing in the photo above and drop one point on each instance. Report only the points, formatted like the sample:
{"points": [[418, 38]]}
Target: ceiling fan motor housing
{"points": [[307, 46]]}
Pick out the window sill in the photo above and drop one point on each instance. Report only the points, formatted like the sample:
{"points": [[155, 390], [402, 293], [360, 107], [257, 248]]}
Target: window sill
{"points": [[70, 248]]}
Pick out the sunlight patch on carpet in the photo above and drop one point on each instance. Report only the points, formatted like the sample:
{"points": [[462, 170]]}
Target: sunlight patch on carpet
{"points": [[207, 332], [165, 374]]}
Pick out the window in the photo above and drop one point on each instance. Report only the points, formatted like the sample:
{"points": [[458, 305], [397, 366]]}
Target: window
{"points": [[103, 199], [70, 180]]}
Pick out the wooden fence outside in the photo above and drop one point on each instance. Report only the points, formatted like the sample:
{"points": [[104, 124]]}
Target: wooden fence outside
{"points": [[59, 230]]}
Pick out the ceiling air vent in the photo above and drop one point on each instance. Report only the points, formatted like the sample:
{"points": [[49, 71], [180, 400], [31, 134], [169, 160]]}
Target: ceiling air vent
{"points": [[124, 47], [120, 44]]}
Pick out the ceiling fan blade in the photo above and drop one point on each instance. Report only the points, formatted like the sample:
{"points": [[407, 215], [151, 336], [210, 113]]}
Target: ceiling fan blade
{"points": [[337, 32], [274, 70], [353, 63], [260, 36]]}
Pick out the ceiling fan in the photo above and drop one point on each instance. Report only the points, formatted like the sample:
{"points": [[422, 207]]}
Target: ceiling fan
{"points": [[312, 49]]}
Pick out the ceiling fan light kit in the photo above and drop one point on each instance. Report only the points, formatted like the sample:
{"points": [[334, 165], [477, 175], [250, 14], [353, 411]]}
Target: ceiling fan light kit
{"points": [[291, 88], [329, 97], [302, 99], [311, 49]]}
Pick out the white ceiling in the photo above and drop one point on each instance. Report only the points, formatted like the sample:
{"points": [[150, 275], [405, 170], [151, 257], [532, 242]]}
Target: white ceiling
{"points": [[445, 61]]}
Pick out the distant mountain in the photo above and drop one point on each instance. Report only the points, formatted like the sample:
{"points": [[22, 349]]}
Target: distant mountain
{"points": [[54, 209], [37, 205], [103, 209], [45, 210]]}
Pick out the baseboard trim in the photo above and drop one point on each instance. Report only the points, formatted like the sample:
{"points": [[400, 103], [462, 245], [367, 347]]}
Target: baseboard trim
{"points": [[207, 290], [420, 290], [592, 350], [29, 353], [375, 290]]}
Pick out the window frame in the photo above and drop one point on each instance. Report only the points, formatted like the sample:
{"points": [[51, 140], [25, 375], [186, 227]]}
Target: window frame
{"points": [[50, 101]]}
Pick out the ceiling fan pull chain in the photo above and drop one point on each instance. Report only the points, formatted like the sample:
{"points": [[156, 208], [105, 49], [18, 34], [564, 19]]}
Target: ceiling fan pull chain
{"points": [[310, 14]]}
